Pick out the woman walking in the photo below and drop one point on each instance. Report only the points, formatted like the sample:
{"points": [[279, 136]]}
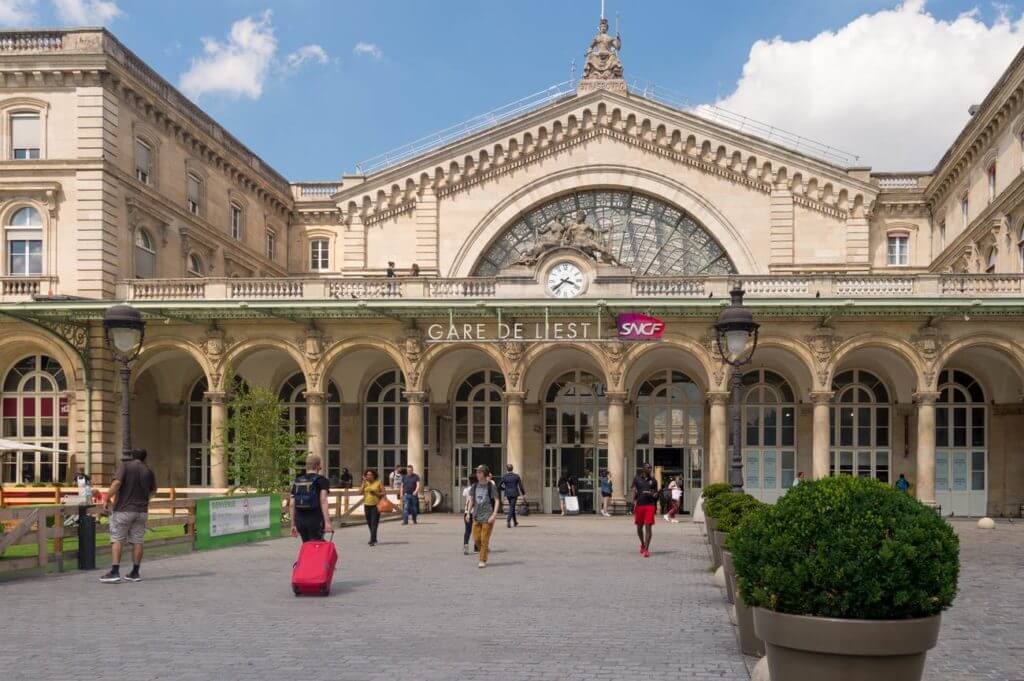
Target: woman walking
{"points": [[467, 493], [372, 490], [605, 483], [675, 489]]}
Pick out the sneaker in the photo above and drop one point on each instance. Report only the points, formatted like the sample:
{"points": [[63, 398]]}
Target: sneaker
{"points": [[667, 519], [481, 564], [465, 549], [642, 549], [674, 521], [646, 553], [133, 576], [111, 578]]}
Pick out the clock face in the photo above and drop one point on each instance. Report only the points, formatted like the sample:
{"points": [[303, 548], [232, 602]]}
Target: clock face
{"points": [[565, 280]]}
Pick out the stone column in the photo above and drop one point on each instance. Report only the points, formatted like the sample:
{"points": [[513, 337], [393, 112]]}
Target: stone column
{"points": [[822, 428], [218, 432], [415, 436], [925, 483], [315, 426], [514, 436], [718, 437], [617, 447]]}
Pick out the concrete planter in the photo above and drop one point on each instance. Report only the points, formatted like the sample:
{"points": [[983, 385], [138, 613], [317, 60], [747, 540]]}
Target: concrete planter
{"points": [[750, 644], [716, 546], [829, 649], [711, 524], [730, 574]]}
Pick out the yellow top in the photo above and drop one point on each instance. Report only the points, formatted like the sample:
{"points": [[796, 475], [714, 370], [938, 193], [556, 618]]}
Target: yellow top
{"points": [[372, 492]]}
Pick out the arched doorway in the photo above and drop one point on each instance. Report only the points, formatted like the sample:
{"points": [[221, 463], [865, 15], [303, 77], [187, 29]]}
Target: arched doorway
{"points": [[386, 426], [961, 445], [670, 430], [293, 394], [861, 417], [769, 435], [478, 426], [575, 436], [35, 411]]}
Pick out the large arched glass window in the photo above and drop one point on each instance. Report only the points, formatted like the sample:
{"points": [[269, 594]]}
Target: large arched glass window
{"points": [[293, 395], [860, 432], [23, 235], [386, 425], [961, 445], [769, 434], [479, 425], [647, 235], [198, 435], [670, 429], [35, 411], [575, 435], [145, 255]]}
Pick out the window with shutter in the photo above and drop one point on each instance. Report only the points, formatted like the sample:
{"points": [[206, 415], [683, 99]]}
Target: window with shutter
{"points": [[25, 136]]}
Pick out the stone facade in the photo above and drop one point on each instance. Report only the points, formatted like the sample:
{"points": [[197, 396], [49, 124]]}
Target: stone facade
{"points": [[881, 296]]}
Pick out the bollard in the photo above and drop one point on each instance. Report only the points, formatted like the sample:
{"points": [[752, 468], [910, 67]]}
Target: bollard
{"points": [[86, 538]]}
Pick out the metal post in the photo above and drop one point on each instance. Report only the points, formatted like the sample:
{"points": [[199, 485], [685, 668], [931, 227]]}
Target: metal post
{"points": [[736, 464], [126, 427]]}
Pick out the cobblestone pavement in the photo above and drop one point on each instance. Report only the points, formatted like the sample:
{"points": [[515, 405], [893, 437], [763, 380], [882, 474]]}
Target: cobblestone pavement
{"points": [[563, 598], [981, 637]]}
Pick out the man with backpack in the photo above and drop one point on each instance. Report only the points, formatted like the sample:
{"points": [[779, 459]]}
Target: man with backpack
{"points": [[512, 485], [308, 505], [483, 509], [645, 500]]}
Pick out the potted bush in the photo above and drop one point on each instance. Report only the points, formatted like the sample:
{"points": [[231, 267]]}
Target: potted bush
{"points": [[847, 579], [712, 508], [731, 518], [731, 509], [710, 492]]}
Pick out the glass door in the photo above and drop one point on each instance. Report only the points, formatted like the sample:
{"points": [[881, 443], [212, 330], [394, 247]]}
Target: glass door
{"points": [[552, 466]]}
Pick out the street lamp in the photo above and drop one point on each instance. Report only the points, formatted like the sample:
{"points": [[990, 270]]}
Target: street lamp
{"points": [[736, 336], [123, 330]]}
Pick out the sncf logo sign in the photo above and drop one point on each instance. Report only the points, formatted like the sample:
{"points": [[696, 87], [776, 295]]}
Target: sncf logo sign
{"points": [[636, 326]]}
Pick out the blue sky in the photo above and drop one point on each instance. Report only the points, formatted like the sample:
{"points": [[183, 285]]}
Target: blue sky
{"points": [[314, 87]]}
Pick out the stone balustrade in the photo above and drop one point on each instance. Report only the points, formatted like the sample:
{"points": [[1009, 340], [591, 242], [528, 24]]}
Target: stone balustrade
{"points": [[18, 289], [314, 191], [477, 288]]}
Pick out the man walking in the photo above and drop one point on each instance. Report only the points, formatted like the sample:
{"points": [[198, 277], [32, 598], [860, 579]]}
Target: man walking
{"points": [[411, 486], [645, 499], [309, 506], [512, 485], [483, 509], [133, 486]]}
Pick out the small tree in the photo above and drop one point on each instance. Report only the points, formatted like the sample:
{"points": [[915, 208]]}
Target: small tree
{"points": [[260, 447]]}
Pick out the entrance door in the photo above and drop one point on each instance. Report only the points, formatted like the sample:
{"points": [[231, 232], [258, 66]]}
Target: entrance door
{"points": [[551, 472], [465, 463], [678, 462]]}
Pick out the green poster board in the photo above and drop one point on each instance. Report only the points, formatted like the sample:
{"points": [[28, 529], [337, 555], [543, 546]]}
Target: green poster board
{"points": [[224, 521]]}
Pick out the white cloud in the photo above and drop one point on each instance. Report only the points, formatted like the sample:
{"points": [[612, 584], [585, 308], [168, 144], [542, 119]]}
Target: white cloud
{"points": [[306, 53], [17, 12], [367, 50], [237, 67], [892, 87], [86, 12]]}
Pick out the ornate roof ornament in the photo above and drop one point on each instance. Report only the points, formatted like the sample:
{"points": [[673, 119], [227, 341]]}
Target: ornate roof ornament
{"points": [[602, 69], [561, 233]]}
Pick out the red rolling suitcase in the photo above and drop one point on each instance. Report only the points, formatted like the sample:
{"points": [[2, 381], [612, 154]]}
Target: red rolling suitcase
{"points": [[314, 570]]}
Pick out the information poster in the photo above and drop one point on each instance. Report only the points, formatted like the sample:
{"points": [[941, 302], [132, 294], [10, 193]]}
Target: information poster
{"points": [[223, 521]]}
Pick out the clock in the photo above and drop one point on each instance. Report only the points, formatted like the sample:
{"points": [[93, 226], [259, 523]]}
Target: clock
{"points": [[565, 280]]}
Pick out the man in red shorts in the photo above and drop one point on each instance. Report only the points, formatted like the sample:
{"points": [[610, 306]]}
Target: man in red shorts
{"points": [[645, 500]]}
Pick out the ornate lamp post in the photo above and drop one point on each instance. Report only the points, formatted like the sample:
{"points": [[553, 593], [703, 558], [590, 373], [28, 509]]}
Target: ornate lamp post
{"points": [[736, 336], [124, 330]]}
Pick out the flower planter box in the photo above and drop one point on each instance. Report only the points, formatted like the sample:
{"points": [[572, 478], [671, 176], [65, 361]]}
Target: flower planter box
{"points": [[828, 649]]}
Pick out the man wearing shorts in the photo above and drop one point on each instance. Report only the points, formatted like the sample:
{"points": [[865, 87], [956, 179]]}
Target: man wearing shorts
{"points": [[133, 486], [645, 499]]}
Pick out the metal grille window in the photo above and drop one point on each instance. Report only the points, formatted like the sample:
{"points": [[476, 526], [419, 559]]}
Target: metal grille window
{"points": [[649, 236], [35, 411]]}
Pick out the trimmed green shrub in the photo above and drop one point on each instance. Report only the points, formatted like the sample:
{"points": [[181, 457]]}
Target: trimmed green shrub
{"points": [[714, 489], [850, 548], [735, 510], [713, 506]]}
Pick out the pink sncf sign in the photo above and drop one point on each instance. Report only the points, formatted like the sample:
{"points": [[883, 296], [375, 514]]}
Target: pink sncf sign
{"points": [[637, 326]]}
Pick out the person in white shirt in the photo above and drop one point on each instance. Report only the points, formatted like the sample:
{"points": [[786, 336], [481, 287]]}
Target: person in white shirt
{"points": [[467, 493], [675, 489]]}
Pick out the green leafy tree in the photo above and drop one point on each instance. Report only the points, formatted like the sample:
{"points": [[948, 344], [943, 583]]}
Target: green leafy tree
{"points": [[260, 446]]}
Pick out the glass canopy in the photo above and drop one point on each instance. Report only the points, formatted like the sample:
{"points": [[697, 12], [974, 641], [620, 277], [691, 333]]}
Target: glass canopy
{"points": [[650, 237]]}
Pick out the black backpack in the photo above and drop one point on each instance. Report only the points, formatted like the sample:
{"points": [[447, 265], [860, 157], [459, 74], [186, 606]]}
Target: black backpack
{"points": [[306, 493]]}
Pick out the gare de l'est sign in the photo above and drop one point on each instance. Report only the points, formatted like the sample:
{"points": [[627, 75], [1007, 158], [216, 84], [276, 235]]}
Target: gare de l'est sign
{"points": [[629, 326]]}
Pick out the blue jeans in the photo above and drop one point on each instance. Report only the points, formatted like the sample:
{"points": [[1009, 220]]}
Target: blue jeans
{"points": [[469, 529], [410, 507], [510, 512]]}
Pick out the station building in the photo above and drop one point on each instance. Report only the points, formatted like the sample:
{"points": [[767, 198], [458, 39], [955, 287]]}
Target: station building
{"points": [[890, 304]]}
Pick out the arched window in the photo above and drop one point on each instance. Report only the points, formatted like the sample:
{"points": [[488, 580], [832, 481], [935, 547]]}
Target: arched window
{"points": [[575, 435], [199, 435], [961, 445], [387, 425], [860, 432], [145, 255], [195, 266], [479, 433], [35, 411], [24, 238], [769, 434], [670, 429], [293, 394]]}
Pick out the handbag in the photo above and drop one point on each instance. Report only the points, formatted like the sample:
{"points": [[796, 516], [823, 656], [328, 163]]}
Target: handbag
{"points": [[384, 505]]}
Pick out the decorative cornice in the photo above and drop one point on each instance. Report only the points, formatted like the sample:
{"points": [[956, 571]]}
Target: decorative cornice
{"points": [[44, 192]]}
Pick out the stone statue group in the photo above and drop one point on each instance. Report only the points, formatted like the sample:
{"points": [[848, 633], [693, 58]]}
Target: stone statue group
{"points": [[560, 233]]}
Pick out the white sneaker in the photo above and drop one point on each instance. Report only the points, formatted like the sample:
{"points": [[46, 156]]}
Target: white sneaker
{"points": [[481, 564], [674, 521], [667, 519]]}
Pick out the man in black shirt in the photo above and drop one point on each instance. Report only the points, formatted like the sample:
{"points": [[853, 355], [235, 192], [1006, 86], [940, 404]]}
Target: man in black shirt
{"points": [[309, 508], [133, 486], [645, 499], [566, 488], [513, 486], [411, 486]]}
